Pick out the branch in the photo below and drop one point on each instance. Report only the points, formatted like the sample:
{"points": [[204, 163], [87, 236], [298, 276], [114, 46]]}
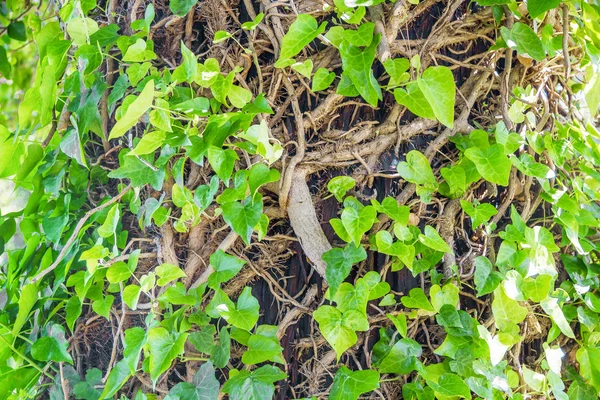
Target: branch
{"points": [[75, 233]]}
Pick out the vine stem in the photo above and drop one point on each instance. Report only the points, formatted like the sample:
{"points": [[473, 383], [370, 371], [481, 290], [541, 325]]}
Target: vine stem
{"points": [[78, 228]]}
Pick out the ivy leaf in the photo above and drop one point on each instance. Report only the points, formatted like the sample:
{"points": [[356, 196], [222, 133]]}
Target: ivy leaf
{"points": [[222, 161], [357, 65], [225, 266], [303, 68], [260, 175], [339, 329], [109, 226], [163, 346], [438, 87], [358, 222], [134, 112], [396, 69], [148, 143], [257, 384], [303, 31], [220, 354], [339, 264], [131, 295], [492, 164], [239, 96], [16, 30], [260, 349], [433, 240], [258, 135], [186, 72], [506, 310], [402, 358], [102, 306], [362, 36], [181, 7], [339, 185], [416, 169], [322, 79], [116, 379], [451, 385], [52, 347], [413, 98], [243, 217], [392, 209], [245, 313], [480, 213], [551, 307], [588, 357], [204, 386], [525, 40], [349, 385], [91, 57], [168, 273], [85, 389], [417, 299], [486, 280]]}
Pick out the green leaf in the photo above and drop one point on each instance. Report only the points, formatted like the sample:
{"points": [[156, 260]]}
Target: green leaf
{"points": [[396, 69], [303, 31], [417, 299], [258, 384], [357, 64], [139, 52], [451, 385], [52, 347], [447, 295], [416, 169], [239, 96], [506, 310], [358, 221], [339, 185], [362, 36], [481, 213], [349, 385], [221, 36], [27, 299], [134, 112], [338, 329], [222, 161], [303, 68], [243, 217], [438, 87], [322, 79], [149, 143], [91, 57], [85, 389], [102, 306], [492, 164], [109, 226], [204, 386], [259, 136], [251, 25], [402, 358], [16, 30], [551, 307], [433, 240], [245, 313], [168, 273], [116, 379], [588, 357], [225, 266], [260, 349], [204, 339], [131, 295], [339, 264], [486, 280], [138, 172], [186, 72], [413, 98], [525, 40], [220, 354], [79, 29], [163, 347], [5, 66], [181, 7], [260, 175]]}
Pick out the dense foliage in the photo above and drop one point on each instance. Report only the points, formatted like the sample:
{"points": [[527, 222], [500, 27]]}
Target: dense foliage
{"points": [[111, 156]]}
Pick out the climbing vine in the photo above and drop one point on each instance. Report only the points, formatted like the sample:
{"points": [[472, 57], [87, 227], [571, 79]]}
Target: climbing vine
{"points": [[169, 171]]}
